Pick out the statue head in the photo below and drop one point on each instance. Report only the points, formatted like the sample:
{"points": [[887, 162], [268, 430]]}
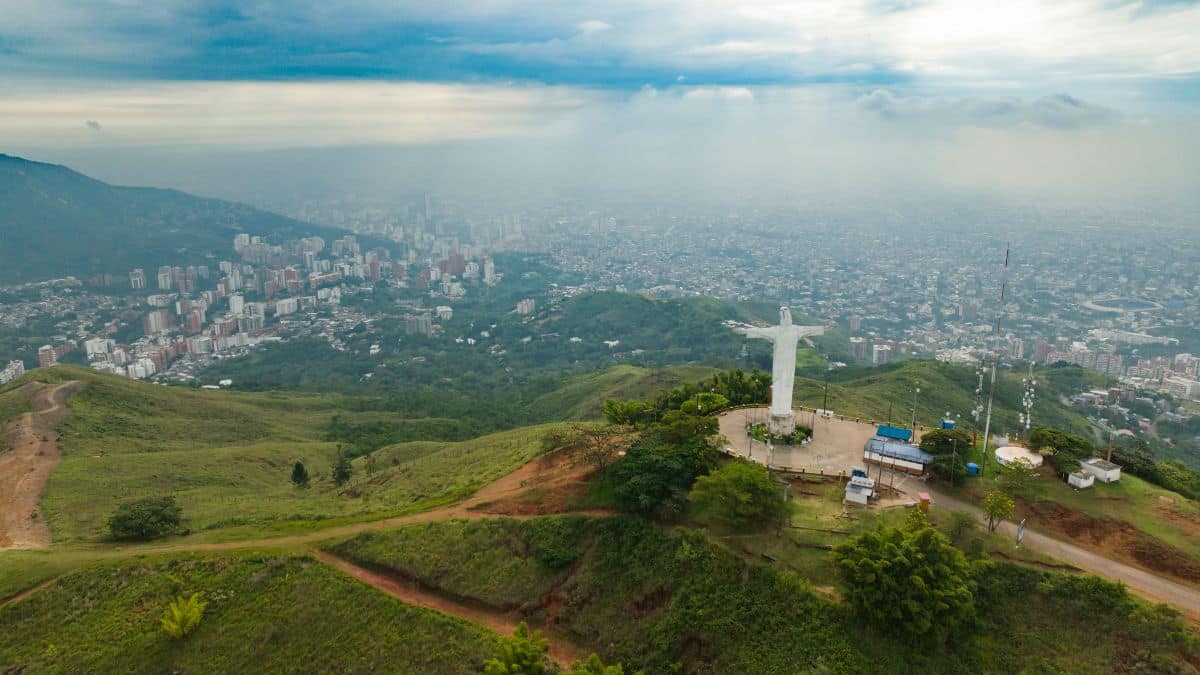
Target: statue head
{"points": [[785, 316]]}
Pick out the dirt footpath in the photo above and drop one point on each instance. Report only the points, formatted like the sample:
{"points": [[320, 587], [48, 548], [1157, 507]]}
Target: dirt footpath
{"points": [[25, 469], [503, 623]]}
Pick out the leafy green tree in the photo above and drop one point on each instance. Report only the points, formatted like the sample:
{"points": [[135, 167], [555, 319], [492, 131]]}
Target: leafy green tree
{"points": [[146, 518], [946, 441], [594, 666], [522, 654], [741, 496], [704, 403], [908, 580], [948, 447], [961, 525], [998, 507], [1018, 474], [300, 476], [628, 413], [1065, 450], [679, 428], [183, 615], [342, 469], [653, 478]]}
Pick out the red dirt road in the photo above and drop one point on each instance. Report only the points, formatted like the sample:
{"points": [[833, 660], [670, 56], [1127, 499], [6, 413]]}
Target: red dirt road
{"points": [[25, 469]]}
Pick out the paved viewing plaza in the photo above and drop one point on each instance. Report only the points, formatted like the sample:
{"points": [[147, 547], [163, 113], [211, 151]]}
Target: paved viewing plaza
{"points": [[836, 445]]}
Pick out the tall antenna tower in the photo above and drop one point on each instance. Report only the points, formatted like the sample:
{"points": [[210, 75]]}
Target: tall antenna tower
{"points": [[987, 425], [980, 374], [1030, 385]]}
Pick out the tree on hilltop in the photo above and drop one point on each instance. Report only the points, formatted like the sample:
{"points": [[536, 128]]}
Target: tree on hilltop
{"points": [[300, 476], [908, 579], [146, 518], [997, 506], [741, 496], [342, 469]]}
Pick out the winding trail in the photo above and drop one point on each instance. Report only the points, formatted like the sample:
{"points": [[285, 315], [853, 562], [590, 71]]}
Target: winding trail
{"points": [[561, 652], [25, 469], [35, 453]]}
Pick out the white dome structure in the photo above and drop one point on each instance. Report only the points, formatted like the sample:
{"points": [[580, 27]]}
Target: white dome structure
{"points": [[1008, 453]]}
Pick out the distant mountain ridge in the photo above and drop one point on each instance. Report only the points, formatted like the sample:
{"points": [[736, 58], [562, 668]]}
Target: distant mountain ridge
{"points": [[56, 222]]}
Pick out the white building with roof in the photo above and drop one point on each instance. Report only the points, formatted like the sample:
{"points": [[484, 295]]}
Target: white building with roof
{"points": [[1104, 470]]}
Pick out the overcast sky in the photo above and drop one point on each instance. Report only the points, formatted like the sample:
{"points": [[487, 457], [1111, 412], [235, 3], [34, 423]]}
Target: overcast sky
{"points": [[1068, 97]]}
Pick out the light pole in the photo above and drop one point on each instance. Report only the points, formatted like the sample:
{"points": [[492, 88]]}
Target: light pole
{"points": [[916, 390]]}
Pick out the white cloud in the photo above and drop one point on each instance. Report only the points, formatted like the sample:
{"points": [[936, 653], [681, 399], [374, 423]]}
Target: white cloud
{"points": [[593, 26], [1060, 111], [280, 114]]}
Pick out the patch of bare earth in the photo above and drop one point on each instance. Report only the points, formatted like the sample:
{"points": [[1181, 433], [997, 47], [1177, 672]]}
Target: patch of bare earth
{"points": [[1112, 538], [26, 468], [553, 483]]}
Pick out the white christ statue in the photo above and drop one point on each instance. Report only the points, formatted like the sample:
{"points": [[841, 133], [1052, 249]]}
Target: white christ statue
{"points": [[783, 368]]}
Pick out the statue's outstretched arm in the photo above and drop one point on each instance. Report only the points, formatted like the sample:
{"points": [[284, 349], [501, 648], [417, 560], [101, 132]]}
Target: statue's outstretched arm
{"points": [[756, 332]]}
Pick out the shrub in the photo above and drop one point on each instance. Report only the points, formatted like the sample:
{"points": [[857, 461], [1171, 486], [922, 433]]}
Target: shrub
{"points": [[741, 496], [908, 579], [555, 541], [342, 469], [145, 519], [183, 615], [299, 475], [522, 654]]}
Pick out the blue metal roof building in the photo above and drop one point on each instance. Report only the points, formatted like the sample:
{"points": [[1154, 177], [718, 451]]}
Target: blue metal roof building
{"points": [[894, 433], [903, 451]]}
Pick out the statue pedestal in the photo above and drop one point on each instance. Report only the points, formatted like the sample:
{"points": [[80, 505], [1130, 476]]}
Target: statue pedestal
{"points": [[781, 425]]}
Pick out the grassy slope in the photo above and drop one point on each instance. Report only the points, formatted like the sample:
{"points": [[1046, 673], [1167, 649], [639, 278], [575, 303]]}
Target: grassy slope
{"points": [[582, 396], [650, 598], [15, 400], [1160, 513], [944, 388], [228, 457], [264, 614]]}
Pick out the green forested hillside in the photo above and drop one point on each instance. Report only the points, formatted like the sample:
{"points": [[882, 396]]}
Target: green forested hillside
{"points": [[56, 222], [671, 600]]}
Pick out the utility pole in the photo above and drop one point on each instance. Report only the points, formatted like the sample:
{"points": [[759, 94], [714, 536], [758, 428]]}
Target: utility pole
{"points": [[953, 458], [987, 425], [916, 390]]}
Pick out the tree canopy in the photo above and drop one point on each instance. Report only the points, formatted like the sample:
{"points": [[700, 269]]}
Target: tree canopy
{"points": [[997, 506], [146, 518], [653, 478], [741, 496], [908, 580]]}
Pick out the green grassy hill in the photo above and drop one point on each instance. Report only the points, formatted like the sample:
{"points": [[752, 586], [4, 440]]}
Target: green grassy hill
{"points": [[870, 393], [660, 599], [265, 613], [228, 457]]}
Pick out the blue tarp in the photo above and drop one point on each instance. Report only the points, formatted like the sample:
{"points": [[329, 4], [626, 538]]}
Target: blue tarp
{"points": [[905, 451], [894, 433]]}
